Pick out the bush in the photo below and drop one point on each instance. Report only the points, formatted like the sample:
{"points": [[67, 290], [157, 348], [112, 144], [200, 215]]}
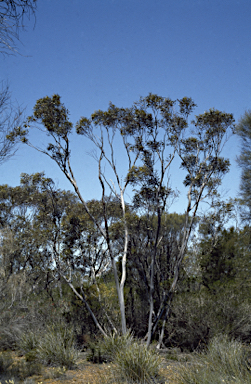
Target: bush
{"points": [[115, 343], [28, 342], [57, 347], [199, 317], [9, 336], [132, 361], [225, 361], [137, 364], [5, 362], [21, 370], [105, 350]]}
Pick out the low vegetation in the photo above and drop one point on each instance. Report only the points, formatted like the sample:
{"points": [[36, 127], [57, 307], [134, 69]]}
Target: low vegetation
{"points": [[224, 361]]}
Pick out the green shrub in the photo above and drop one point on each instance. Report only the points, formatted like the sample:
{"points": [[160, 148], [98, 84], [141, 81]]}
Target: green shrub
{"points": [[96, 354], [28, 342], [9, 336], [137, 364], [5, 362], [21, 370], [132, 361], [31, 356], [198, 317], [115, 343], [225, 361], [105, 350], [57, 347]]}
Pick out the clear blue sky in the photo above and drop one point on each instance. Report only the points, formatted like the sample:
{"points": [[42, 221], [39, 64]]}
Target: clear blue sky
{"points": [[96, 51]]}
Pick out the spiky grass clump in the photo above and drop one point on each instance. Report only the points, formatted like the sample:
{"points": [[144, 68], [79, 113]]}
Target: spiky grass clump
{"points": [[116, 343], [105, 350], [134, 362], [57, 347], [28, 342], [225, 361], [137, 364]]}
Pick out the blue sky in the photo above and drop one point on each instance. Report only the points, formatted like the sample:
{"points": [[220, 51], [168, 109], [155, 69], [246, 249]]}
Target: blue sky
{"points": [[97, 51]]}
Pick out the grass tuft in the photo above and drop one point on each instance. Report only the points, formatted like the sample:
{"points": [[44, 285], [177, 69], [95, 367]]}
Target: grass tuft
{"points": [[226, 361], [131, 361], [57, 347], [137, 364]]}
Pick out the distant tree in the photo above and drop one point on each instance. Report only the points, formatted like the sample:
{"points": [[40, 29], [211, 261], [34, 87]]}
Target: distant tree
{"points": [[12, 13], [244, 161]]}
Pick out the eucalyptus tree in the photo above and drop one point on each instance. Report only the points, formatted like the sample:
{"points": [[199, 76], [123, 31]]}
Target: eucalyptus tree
{"points": [[151, 133]]}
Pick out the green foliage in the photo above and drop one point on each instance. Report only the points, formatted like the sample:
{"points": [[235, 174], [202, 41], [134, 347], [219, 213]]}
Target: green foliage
{"points": [[225, 361], [135, 363], [5, 362], [57, 347], [96, 354], [21, 370], [131, 361], [110, 346], [17, 369], [105, 350], [199, 316], [152, 132], [53, 115], [28, 342], [218, 260]]}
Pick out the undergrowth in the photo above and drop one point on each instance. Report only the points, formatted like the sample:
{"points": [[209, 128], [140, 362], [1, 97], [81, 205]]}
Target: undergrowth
{"points": [[226, 361]]}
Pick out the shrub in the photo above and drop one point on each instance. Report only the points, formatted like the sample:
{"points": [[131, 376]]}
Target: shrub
{"points": [[115, 343], [57, 347], [96, 354], [9, 336], [198, 317], [5, 362], [21, 370], [132, 361], [104, 350], [28, 342], [225, 361], [137, 364]]}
